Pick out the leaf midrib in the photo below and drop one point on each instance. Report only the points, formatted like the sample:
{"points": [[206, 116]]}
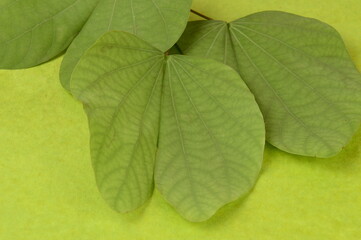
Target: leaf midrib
{"points": [[185, 155], [163, 19], [209, 132], [112, 14], [117, 109], [137, 144]]}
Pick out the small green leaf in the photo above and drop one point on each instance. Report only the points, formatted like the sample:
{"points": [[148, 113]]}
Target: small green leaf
{"points": [[119, 82], [211, 137], [307, 87], [35, 31], [159, 22], [211, 134]]}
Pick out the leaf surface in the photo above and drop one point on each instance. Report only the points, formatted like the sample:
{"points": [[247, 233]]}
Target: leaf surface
{"points": [[119, 82], [211, 135], [307, 87], [159, 22], [209, 39], [35, 31]]}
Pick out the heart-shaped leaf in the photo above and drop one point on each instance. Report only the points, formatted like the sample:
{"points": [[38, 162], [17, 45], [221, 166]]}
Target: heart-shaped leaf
{"points": [[35, 31], [211, 135], [307, 87], [159, 22]]}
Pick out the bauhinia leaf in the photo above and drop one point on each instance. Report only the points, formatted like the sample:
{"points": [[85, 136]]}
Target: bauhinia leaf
{"points": [[211, 137], [34, 31], [307, 87], [209, 39], [211, 134], [159, 22], [119, 82]]}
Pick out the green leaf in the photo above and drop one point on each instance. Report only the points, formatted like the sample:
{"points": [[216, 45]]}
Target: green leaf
{"points": [[35, 31], [307, 87], [209, 39], [119, 82], [211, 135], [159, 22]]}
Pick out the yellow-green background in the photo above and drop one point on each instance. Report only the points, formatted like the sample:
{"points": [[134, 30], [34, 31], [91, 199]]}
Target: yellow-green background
{"points": [[47, 188]]}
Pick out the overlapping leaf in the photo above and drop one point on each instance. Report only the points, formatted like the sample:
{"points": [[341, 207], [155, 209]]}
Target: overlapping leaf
{"points": [[307, 87], [211, 137], [211, 134], [34, 31], [159, 22], [119, 82]]}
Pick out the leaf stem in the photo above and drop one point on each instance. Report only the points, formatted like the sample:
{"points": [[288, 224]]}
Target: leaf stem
{"points": [[201, 15]]}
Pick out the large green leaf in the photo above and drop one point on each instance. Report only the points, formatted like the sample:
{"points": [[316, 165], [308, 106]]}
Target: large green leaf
{"points": [[159, 22], [211, 137], [119, 82], [211, 134], [307, 87], [34, 31]]}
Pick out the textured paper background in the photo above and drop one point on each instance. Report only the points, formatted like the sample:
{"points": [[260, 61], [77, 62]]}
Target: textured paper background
{"points": [[47, 189]]}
